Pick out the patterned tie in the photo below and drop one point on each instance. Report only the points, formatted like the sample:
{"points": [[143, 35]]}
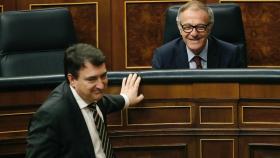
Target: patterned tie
{"points": [[197, 60], [102, 131]]}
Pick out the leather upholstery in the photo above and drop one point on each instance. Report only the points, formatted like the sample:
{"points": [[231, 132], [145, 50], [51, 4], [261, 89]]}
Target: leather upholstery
{"points": [[228, 25], [33, 42]]}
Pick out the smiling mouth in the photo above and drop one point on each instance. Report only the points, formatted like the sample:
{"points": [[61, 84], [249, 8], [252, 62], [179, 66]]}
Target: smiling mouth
{"points": [[195, 41], [98, 92]]}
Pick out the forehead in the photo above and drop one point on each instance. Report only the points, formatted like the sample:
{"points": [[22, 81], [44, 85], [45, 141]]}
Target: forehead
{"points": [[194, 16], [92, 70]]}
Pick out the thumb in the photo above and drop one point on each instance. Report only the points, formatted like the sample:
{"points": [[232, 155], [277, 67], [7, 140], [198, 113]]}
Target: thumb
{"points": [[138, 99]]}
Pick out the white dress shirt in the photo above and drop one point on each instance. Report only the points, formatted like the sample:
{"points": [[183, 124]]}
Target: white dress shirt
{"points": [[88, 116], [203, 56]]}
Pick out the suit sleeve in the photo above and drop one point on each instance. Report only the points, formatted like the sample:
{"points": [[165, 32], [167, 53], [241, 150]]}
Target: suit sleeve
{"points": [[241, 58], [156, 62], [42, 139], [112, 103], [238, 61]]}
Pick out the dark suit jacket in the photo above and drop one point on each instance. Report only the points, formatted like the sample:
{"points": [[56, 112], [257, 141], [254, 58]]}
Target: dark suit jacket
{"points": [[173, 55], [58, 129]]}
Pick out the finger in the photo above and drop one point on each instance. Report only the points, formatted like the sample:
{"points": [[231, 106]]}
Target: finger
{"points": [[134, 78], [137, 82], [123, 82], [139, 98], [128, 80]]}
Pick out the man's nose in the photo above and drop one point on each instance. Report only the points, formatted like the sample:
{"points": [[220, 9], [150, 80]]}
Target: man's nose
{"points": [[194, 32], [100, 84]]}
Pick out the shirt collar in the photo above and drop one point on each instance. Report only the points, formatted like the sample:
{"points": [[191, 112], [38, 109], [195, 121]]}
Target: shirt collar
{"points": [[82, 104], [203, 53]]}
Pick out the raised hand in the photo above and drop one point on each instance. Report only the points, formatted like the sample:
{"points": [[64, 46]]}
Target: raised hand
{"points": [[130, 87]]}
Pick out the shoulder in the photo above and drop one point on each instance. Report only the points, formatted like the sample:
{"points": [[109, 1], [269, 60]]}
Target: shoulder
{"points": [[220, 44], [56, 101], [228, 53], [172, 45]]}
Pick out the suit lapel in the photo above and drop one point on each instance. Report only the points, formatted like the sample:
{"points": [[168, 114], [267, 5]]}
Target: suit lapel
{"points": [[212, 56], [181, 56], [82, 133]]}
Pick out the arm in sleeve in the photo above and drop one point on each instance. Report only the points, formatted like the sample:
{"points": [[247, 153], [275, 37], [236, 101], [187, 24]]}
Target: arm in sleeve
{"points": [[238, 60], [112, 103], [42, 139], [156, 62]]}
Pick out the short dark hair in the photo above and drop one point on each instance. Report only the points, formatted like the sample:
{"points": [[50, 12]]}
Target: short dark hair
{"points": [[76, 55]]}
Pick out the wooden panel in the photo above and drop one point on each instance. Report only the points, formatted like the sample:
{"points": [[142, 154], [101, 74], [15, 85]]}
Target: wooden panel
{"points": [[264, 145], [262, 91], [7, 5], [170, 151], [113, 89], [152, 144], [16, 109], [23, 97], [115, 119], [12, 148], [216, 90], [259, 23], [176, 91], [218, 148], [144, 30], [160, 91], [216, 115], [264, 150], [14, 121], [159, 115], [172, 114], [137, 31], [261, 114]]}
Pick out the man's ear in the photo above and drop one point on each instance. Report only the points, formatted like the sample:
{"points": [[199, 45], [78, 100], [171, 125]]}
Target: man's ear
{"points": [[71, 79], [210, 29], [179, 28]]}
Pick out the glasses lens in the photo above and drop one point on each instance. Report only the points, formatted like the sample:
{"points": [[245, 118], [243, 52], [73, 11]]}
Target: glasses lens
{"points": [[187, 28], [201, 28]]}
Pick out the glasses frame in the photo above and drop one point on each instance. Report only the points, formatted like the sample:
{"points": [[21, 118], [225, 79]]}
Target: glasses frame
{"points": [[195, 27]]}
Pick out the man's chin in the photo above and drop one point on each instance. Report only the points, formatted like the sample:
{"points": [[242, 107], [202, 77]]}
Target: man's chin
{"points": [[99, 96], [195, 49]]}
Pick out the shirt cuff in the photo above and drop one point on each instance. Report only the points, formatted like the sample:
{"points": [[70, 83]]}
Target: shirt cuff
{"points": [[126, 100]]}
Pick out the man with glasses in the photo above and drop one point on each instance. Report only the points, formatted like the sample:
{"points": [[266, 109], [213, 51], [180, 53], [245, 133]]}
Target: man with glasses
{"points": [[196, 49]]}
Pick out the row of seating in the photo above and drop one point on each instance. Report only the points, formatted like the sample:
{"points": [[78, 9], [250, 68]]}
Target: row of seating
{"points": [[33, 42]]}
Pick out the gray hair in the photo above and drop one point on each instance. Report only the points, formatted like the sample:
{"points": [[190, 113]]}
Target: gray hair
{"points": [[196, 5]]}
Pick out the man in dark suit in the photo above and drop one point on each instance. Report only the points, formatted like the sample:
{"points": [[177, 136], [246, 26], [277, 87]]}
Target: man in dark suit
{"points": [[64, 125], [196, 49]]}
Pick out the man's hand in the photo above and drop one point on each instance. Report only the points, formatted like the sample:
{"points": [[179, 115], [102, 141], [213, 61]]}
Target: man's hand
{"points": [[130, 87]]}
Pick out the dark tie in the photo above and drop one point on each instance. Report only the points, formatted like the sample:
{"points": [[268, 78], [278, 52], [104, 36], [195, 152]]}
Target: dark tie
{"points": [[197, 60], [102, 131]]}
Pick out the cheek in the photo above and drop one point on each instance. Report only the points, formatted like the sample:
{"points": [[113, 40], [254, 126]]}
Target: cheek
{"points": [[106, 83], [84, 87]]}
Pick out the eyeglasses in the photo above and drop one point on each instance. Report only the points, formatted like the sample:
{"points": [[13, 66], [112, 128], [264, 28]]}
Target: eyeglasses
{"points": [[199, 28]]}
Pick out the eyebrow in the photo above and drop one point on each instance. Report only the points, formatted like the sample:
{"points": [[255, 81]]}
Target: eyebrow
{"points": [[95, 77]]}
